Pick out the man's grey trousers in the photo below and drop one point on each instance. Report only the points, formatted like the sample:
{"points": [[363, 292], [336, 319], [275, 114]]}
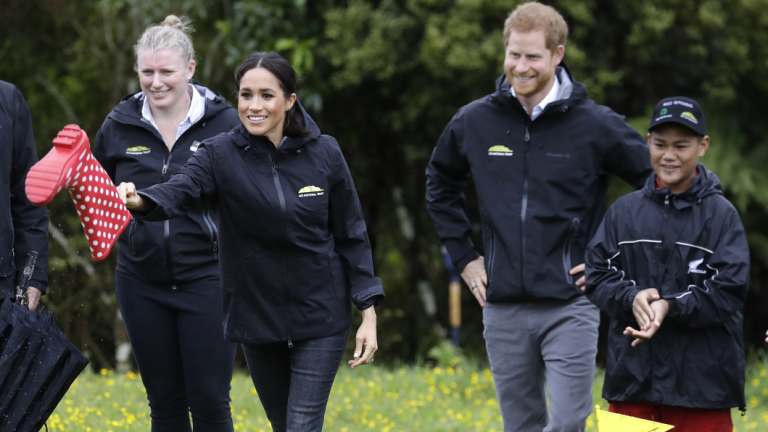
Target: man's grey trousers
{"points": [[543, 345]]}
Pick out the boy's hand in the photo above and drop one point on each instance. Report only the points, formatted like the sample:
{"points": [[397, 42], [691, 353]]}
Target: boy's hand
{"points": [[641, 307], [660, 309]]}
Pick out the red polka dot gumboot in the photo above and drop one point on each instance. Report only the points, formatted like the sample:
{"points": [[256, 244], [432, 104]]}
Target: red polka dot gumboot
{"points": [[70, 164]]}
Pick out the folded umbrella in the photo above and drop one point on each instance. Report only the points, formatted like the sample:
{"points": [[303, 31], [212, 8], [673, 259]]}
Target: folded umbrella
{"points": [[37, 363]]}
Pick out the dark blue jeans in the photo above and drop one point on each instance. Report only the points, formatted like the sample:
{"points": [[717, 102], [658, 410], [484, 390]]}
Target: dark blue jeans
{"points": [[294, 383], [178, 342]]}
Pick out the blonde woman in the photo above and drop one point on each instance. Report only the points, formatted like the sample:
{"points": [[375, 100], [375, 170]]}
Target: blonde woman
{"points": [[167, 278]]}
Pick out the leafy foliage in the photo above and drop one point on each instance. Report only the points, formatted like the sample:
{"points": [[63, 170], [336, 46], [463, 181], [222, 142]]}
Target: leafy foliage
{"points": [[384, 77]]}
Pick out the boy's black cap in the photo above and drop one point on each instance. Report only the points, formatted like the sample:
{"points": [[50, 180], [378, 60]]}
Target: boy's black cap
{"points": [[681, 110]]}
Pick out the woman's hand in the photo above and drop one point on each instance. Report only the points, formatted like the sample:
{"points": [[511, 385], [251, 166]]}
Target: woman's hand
{"points": [[127, 193], [365, 340]]}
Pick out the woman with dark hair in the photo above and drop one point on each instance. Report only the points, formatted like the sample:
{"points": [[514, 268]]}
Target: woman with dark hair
{"points": [[167, 277], [294, 245]]}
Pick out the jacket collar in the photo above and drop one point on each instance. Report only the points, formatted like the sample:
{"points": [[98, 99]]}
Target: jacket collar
{"points": [[569, 93], [129, 109], [706, 184]]}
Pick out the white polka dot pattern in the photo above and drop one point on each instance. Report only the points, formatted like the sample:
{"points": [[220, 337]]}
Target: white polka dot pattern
{"points": [[102, 214]]}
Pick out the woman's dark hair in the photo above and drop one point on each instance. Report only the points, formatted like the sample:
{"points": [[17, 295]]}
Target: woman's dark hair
{"points": [[282, 70]]}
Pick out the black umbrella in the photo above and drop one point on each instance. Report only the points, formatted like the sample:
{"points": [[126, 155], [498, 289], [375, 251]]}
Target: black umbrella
{"points": [[37, 363]]}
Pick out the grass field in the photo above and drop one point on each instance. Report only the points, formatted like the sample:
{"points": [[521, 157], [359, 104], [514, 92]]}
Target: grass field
{"points": [[453, 397]]}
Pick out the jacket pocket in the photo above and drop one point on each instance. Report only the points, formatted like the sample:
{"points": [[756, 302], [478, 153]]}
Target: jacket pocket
{"points": [[491, 258], [212, 230], [312, 289], [145, 241], [567, 255]]}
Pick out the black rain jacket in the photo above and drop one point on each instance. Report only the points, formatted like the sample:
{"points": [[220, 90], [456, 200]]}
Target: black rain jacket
{"points": [[181, 249], [540, 186], [294, 245], [691, 247], [23, 227]]}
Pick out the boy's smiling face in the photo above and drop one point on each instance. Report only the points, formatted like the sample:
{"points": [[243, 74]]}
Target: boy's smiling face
{"points": [[675, 152]]}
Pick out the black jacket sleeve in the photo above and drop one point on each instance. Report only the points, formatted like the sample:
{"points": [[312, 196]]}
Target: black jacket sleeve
{"points": [[195, 179], [350, 235], [607, 286], [627, 156], [30, 223], [721, 296], [447, 174]]}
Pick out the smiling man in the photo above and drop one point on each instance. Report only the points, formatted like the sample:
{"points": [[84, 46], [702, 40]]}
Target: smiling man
{"points": [[539, 152], [669, 266]]}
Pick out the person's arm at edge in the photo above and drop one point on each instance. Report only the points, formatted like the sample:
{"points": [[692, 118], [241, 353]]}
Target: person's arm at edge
{"points": [[30, 223]]}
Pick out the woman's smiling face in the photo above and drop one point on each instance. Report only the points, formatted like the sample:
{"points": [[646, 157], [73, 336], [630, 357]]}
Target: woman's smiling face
{"points": [[262, 104]]}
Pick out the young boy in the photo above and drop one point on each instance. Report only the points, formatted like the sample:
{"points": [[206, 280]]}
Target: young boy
{"points": [[669, 266]]}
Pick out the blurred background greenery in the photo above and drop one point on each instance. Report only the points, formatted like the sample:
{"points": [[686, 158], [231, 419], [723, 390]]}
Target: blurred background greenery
{"points": [[384, 77]]}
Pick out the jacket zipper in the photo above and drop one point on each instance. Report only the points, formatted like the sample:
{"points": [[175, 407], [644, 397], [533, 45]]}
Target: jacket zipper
{"points": [[163, 173], [281, 198], [167, 222], [524, 206], [276, 182]]}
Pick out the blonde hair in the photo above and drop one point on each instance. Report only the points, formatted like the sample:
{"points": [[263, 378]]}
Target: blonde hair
{"points": [[531, 16], [172, 33]]}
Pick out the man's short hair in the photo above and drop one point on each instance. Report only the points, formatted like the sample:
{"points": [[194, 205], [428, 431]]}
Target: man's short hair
{"points": [[531, 16]]}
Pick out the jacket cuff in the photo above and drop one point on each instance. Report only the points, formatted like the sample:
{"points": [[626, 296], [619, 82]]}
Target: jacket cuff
{"points": [[35, 282], [674, 305], [629, 298], [38, 276], [461, 253], [368, 297], [151, 210], [374, 301]]}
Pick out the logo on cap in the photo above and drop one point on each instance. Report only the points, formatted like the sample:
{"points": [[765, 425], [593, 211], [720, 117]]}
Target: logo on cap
{"points": [[663, 112], [690, 117]]}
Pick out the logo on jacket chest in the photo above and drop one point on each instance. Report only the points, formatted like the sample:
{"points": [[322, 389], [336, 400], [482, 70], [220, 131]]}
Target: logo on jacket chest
{"points": [[310, 191], [500, 150], [137, 150]]}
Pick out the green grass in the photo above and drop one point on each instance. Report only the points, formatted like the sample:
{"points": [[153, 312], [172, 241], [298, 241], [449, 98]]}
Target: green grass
{"points": [[454, 397]]}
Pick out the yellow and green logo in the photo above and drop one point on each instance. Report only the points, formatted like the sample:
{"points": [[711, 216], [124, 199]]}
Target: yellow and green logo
{"points": [[690, 117], [500, 150], [310, 191], [137, 150]]}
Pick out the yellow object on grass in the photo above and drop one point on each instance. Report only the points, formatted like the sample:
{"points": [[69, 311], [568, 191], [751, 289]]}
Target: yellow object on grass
{"points": [[612, 422]]}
